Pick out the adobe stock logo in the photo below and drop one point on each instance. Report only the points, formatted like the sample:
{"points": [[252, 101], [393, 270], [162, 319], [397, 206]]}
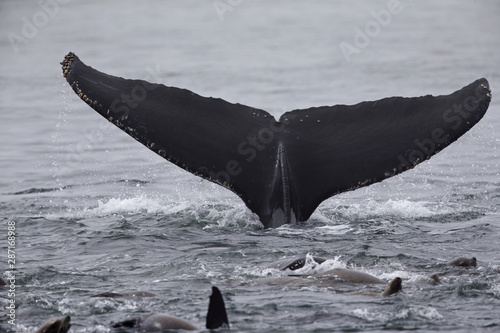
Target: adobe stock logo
{"points": [[40, 19], [372, 28], [221, 7], [453, 122], [249, 148], [121, 106]]}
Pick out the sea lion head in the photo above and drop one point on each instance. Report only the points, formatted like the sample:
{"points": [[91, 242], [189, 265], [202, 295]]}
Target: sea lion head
{"points": [[56, 325], [393, 287], [463, 262]]}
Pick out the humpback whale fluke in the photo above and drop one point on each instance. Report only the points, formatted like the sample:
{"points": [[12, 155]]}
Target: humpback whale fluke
{"points": [[282, 169]]}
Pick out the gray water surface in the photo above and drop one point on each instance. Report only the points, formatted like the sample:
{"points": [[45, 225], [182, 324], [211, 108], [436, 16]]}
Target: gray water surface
{"points": [[95, 211]]}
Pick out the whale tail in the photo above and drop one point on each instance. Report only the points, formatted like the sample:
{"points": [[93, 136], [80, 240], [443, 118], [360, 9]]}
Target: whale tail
{"points": [[282, 169], [216, 315]]}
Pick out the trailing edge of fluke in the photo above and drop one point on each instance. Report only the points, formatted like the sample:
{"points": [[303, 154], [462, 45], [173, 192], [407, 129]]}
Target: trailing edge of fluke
{"points": [[282, 169]]}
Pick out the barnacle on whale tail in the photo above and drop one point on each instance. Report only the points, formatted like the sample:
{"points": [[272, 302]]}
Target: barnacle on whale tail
{"points": [[66, 63]]}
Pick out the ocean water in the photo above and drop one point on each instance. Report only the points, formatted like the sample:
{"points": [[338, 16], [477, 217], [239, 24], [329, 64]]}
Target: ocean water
{"points": [[95, 211]]}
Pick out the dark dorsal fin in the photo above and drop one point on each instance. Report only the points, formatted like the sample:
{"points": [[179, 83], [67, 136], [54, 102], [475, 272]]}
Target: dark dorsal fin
{"points": [[216, 315], [281, 170]]}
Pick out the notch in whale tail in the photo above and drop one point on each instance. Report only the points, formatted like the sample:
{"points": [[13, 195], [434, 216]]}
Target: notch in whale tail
{"points": [[283, 169], [216, 315]]}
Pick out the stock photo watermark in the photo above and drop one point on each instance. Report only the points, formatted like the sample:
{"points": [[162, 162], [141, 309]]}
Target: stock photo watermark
{"points": [[249, 149], [455, 116], [31, 26], [223, 6], [363, 37], [136, 95], [11, 273]]}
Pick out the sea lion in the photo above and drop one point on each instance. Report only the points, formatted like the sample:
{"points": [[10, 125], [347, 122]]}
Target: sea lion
{"points": [[350, 275], [154, 322], [395, 286], [55, 325], [463, 262], [296, 263], [291, 280], [434, 278]]}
